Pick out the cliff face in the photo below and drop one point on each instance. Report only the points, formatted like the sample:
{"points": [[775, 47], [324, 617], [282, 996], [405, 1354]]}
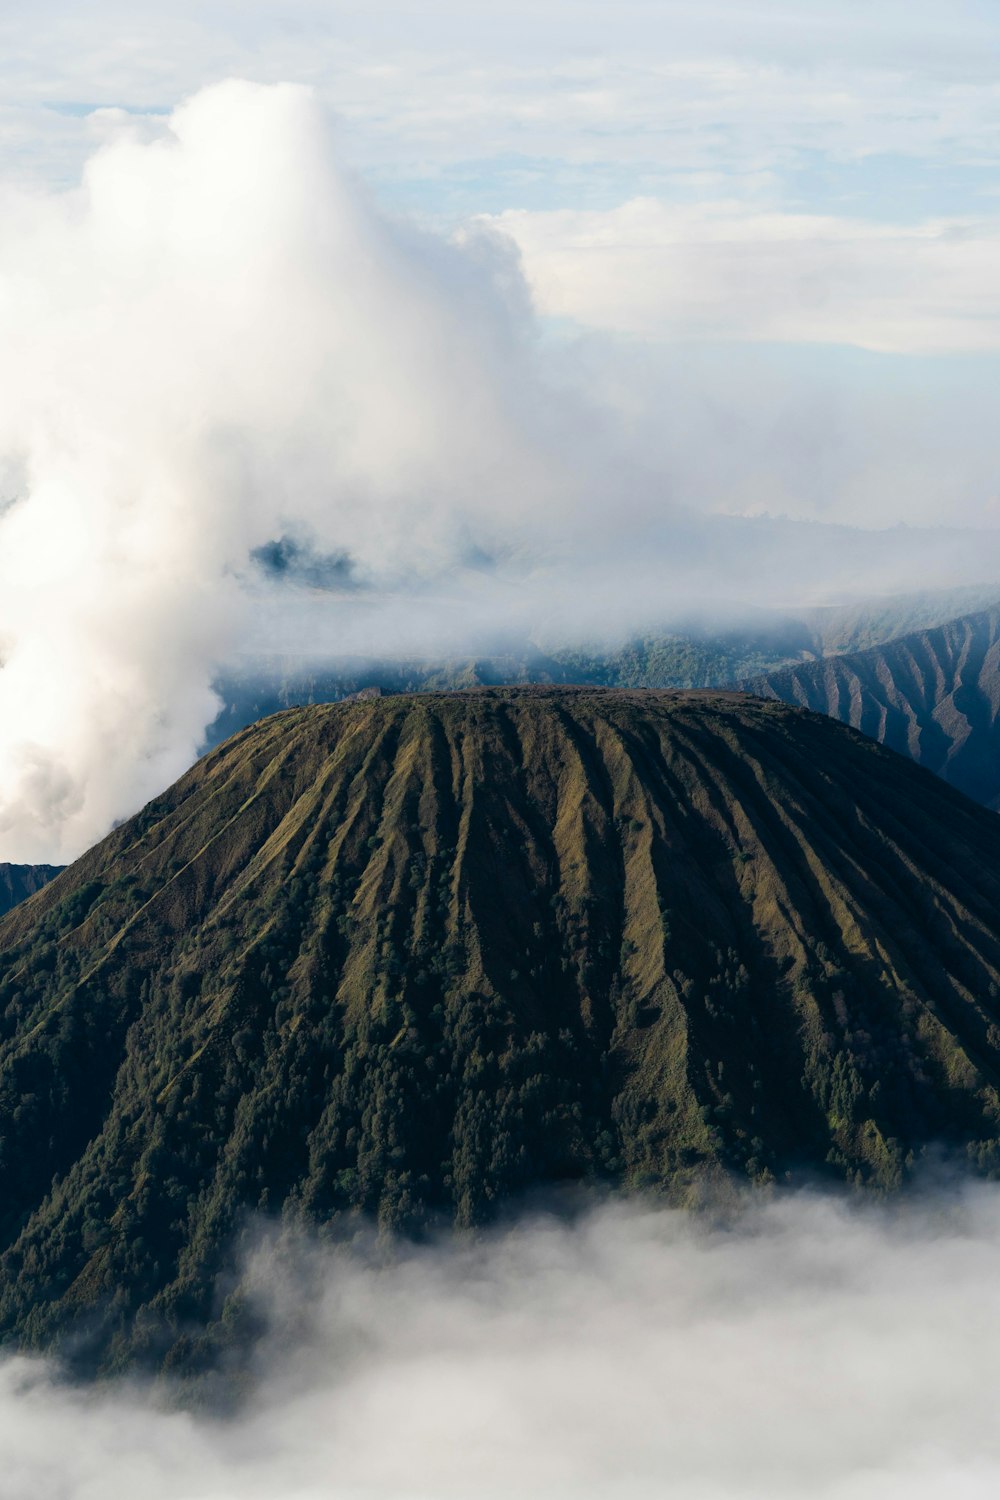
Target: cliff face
{"points": [[933, 695], [408, 958]]}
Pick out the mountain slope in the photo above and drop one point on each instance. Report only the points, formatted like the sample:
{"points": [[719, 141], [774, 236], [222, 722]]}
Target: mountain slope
{"points": [[409, 957], [933, 695]]}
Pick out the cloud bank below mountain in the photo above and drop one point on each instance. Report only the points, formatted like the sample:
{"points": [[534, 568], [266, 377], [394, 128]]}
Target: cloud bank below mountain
{"points": [[808, 1347]]}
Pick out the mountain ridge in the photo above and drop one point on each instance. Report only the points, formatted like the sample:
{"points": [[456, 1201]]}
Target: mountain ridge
{"points": [[933, 695]]}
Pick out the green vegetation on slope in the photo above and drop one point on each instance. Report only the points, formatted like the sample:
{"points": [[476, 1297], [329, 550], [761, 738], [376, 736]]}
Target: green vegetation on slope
{"points": [[410, 957]]}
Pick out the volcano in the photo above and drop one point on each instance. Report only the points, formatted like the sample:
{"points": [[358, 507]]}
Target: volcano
{"points": [[401, 962]]}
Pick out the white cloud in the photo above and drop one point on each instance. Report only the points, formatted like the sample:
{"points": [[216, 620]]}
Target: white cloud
{"points": [[216, 338], [718, 271], [811, 1347]]}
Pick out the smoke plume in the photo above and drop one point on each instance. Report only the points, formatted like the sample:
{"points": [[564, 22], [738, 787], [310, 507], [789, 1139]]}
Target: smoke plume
{"points": [[216, 341]]}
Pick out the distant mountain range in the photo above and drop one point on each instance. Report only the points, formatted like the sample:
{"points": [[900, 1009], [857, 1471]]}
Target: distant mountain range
{"points": [[933, 695], [920, 673], [401, 961], [19, 881], [687, 653]]}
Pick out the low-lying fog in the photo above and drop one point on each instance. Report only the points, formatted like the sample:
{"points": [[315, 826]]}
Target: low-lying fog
{"points": [[810, 1348]]}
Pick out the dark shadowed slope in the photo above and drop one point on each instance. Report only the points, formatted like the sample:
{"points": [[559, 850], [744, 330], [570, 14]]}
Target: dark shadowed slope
{"points": [[20, 881], [410, 957], [933, 695]]}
